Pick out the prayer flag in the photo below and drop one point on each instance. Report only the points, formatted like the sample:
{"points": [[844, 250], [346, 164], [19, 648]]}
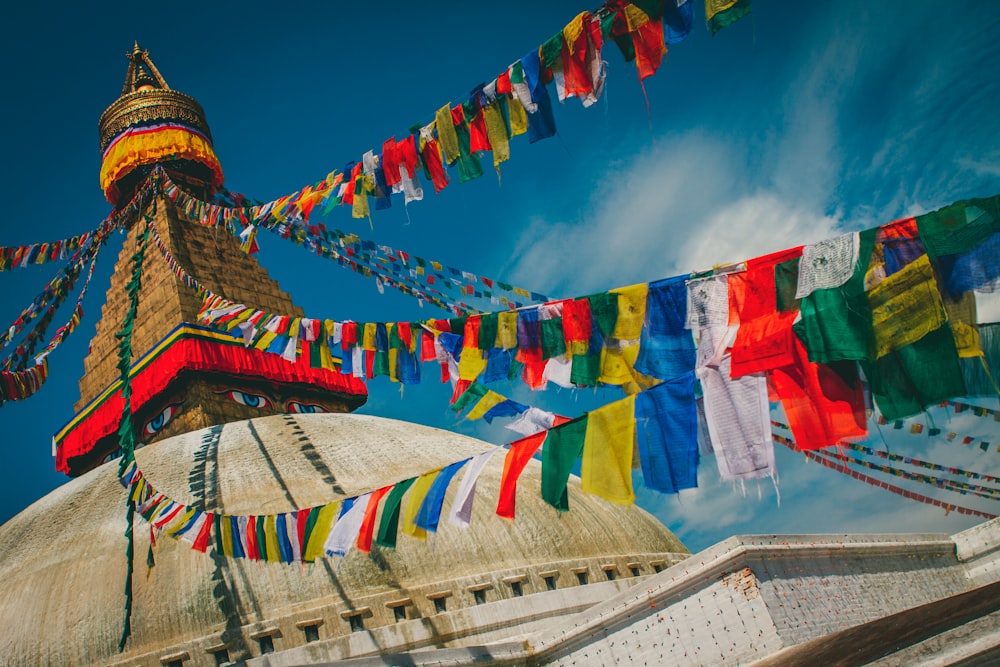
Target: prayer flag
{"points": [[606, 470], [563, 446], [389, 525], [344, 533], [667, 347], [667, 435], [416, 499], [368, 523], [429, 515], [461, 508], [721, 13], [678, 16], [517, 458]]}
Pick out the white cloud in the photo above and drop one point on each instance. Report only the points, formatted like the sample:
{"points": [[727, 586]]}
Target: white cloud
{"points": [[683, 206]]}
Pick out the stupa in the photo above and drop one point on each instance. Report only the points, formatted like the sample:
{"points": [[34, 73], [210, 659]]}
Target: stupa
{"points": [[237, 431]]}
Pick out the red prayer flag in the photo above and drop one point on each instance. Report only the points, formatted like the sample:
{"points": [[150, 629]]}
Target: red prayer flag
{"points": [[368, 523], [390, 162], [514, 463], [649, 47], [201, 542], [478, 140], [432, 160], [824, 404]]}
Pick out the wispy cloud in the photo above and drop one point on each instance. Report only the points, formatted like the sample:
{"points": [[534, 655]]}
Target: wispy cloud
{"points": [[682, 206]]}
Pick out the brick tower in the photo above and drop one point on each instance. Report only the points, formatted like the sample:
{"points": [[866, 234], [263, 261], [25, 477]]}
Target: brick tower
{"points": [[184, 376]]}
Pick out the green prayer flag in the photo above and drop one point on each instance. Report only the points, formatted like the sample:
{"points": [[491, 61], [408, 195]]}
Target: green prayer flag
{"points": [[553, 338], [550, 50], [517, 73], [919, 375], [835, 323], [261, 538], [469, 165], [604, 311], [585, 370], [388, 527], [381, 364], [786, 280], [562, 447], [980, 373], [488, 326], [959, 227], [472, 394]]}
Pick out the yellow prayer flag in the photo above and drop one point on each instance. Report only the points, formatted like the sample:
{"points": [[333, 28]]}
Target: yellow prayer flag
{"points": [[962, 319], [496, 132], [635, 17], [606, 468], [393, 363], [905, 307], [227, 535], [574, 29], [417, 494], [265, 340], [180, 522], [447, 136], [617, 363], [368, 336], [327, 515], [631, 311], [507, 330], [471, 363], [518, 116], [271, 539], [360, 208]]}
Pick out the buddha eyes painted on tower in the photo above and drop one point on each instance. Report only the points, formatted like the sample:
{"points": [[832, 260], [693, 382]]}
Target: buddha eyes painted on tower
{"points": [[251, 400], [156, 424], [263, 401], [294, 407]]}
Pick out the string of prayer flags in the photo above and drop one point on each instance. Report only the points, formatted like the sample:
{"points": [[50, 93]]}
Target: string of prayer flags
{"points": [[832, 464], [411, 274], [12, 257], [911, 461], [514, 102], [745, 319], [19, 385], [544, 343], [941, 483], [16, 385]]}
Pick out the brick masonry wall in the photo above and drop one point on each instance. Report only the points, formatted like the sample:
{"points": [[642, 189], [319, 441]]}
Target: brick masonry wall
{"points": [[211, 255]]}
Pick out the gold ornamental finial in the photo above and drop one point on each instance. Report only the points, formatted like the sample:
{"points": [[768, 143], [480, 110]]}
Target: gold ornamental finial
{"points": [[142, 73]]}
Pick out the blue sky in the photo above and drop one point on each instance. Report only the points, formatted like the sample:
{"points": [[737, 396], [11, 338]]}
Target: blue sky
{"points": [[806, 121]]}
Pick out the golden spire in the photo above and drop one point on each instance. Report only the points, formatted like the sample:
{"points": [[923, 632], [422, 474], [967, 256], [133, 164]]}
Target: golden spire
{"points": [[152, 124], [146, 97], [142, 73]]}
